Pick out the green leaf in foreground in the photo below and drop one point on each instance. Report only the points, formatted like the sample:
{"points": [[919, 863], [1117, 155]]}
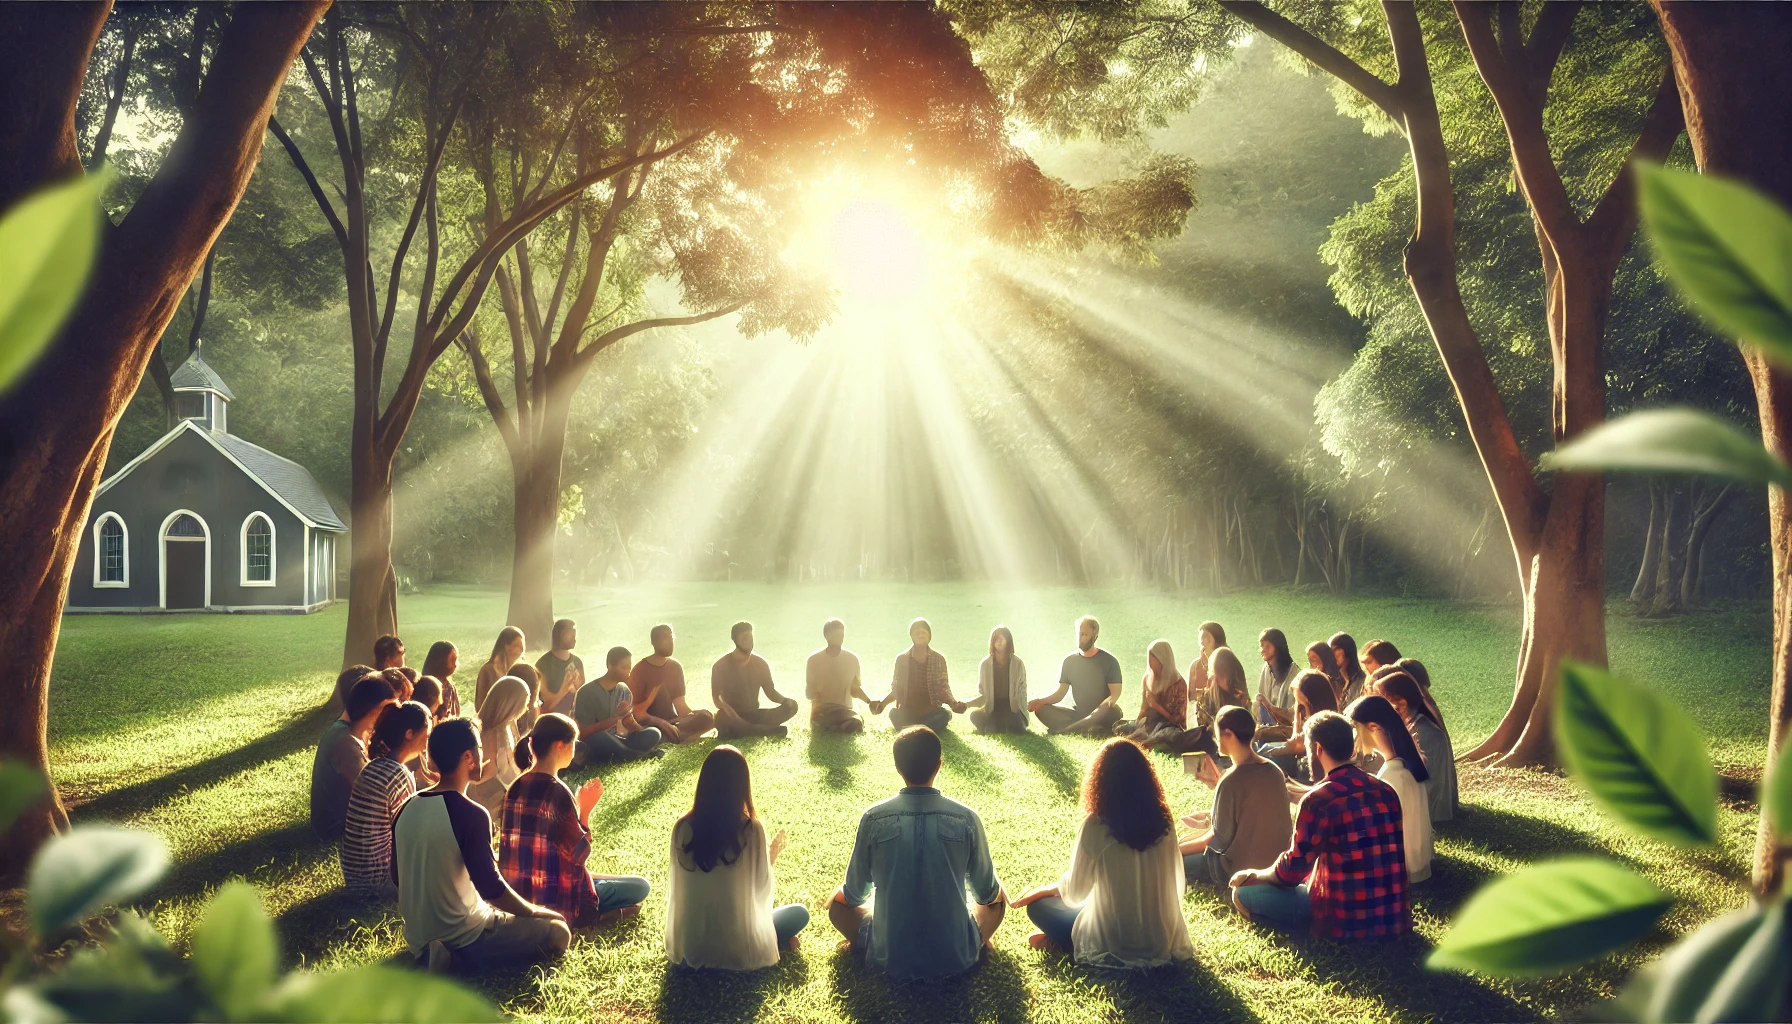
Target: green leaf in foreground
{"points": [[20, 786], [375, 995], [1671, 441], [1674, 987], [235, 953], [77, 873], [1729, 248], [1779, 795], [1549, 917], [47, 246], [1637, 754]]}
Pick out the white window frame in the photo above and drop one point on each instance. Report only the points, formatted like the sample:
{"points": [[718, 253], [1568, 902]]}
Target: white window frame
{"points": [[162, 555], [243, 552], [99, 552]]}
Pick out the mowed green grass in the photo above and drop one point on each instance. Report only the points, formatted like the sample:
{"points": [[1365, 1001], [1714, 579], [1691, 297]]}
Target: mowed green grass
{"points": [[202, 728]]}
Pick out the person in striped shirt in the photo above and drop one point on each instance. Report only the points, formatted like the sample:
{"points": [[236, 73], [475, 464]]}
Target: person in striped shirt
{"points": [[400, 734]]}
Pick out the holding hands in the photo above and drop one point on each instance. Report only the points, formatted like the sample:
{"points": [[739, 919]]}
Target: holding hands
{"points": [[1037, 894]]}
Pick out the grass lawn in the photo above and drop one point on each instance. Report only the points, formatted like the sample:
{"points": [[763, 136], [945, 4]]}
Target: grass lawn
{"points": [[202, 728]]}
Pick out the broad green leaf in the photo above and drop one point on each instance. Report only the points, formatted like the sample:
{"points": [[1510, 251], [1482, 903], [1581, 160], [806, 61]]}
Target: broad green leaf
{"points": [[235, 953], [1671, 441], [1549, 917], [77, 873], [20, 786], [1638, 754], [1754, 985], [1729, 248], [375, 995], [1779, 795], [1672, 988], [47, 247]]}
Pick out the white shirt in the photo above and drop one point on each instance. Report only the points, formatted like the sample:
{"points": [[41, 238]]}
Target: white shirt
{"points": [[1415, 818], [721, 917], [1131, 900]]}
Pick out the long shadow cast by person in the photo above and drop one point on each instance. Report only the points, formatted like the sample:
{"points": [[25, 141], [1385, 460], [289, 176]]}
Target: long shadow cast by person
{"points": [[836, 754], [299, 732], [1183, 991], [995, 990], [275, 848], [312, 926], [1044, 753], [964, 762], [679, 762], [690, 996]]}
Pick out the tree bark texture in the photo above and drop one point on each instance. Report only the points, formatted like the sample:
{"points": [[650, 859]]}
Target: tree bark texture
{"points": [[53, 444], [1732, 66], [1642, 592]]}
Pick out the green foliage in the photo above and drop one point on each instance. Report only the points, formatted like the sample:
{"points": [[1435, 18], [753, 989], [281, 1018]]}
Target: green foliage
{"points": [[1550, 916], [235, 953], [75, 874], [1729, 248], [20, 786], [1638, 754], [47, 245], [1733, 969], [1778, 804], [1671, 441], [376, 995]]}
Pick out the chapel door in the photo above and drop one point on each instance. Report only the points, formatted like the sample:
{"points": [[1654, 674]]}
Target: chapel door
{"points": [[183, 559]]}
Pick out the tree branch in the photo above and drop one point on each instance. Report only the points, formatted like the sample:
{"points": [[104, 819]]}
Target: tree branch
{"points": [[488, 390], [1549, 37], [1522, 114], [1322, 54], [102, 140], [317, 192], [615, 335]]}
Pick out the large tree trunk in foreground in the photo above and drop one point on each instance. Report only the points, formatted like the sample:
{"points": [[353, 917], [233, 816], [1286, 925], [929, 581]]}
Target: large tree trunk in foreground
{"points": [[1731, 61], [53, 437]]}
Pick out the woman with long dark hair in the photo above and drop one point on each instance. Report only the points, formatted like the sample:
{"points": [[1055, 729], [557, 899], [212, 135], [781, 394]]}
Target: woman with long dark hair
{"points": [[1001, 702], [443, 659], [1321, 659], [1225, 688], [545, 835], [399, 734], [1120, 902], [1421, 675], [1212, 638], [1275, 681], [1404, 693], [1312, 694], [507, 650], [719, 892], [1383, 729], [1343, 647]]}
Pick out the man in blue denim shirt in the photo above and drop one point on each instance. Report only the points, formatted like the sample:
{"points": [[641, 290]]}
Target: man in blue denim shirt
{"points": [[920, 851]]}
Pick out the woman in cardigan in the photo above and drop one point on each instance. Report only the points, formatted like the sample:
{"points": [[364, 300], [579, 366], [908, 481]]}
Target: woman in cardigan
{"points": [[1001, 702]]}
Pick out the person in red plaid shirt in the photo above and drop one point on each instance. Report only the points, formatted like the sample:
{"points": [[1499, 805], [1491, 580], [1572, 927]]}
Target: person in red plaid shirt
{"points": [[546, 834], [1345, 871]]}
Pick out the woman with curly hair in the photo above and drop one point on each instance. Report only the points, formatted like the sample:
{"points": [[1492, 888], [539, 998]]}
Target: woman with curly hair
{"points": [[1120, 903]]}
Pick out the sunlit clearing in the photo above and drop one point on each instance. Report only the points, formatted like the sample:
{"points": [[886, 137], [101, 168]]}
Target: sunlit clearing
{"points": [[878, 255]]}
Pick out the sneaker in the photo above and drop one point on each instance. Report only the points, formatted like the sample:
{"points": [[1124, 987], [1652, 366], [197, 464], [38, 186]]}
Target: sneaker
{"points": [[440, 958]]}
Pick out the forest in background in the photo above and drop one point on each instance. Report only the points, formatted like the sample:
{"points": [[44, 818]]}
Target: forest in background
{"points": [[1293, 254]]}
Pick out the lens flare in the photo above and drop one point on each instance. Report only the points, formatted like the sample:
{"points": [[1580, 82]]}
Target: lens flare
{"points": [[878, 255]]}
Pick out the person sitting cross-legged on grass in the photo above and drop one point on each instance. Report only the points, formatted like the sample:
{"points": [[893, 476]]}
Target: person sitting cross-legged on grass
{"points": [[1403, 769], [400, 734], [1404, 693], [1225, 688], [1344, 873], [1091, 676], [1249, 824], [735, 682], [507, 650], [342, 753], [544, 835], [1163, 702], [1120, 902], [1001, 701], [1313, 692], [657, 685], [459, 914], [561, 671], [1343, 647], [606, 716], [719, 888], [1275, 686], [918, 851], [831, 681], [442, 660], [918, 685]]}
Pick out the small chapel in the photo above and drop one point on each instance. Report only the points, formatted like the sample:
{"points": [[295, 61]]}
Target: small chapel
{"points": [[203, 520]]}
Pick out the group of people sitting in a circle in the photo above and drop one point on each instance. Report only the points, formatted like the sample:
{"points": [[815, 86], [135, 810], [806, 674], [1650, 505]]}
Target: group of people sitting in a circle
{"points": [[464, 821]]}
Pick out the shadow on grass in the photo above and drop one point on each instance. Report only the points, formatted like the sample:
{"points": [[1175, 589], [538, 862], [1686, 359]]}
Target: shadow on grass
{"points": [[1394, 973], [1176, 992], [300, 732], [1044, 753], [699, 996], [996, 990], [836, 754], [311, 928], [679, 762], [964, 761], [281, 848]]}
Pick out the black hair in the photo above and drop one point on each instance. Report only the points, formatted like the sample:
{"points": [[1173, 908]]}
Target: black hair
{"points": [[1383, 652], [917, 750], [386, 646], [436, 663], [1123, 790], [1375, 710], [1278, 640], [1331, 732], [1398, 684], [737, 629], [394, 723], [721, 808], [1237, 721], [549, 729], [560, 626], [616, 654], [428, 689], [1352, 668], [369, 693], [449, 741], [1215, 630]]}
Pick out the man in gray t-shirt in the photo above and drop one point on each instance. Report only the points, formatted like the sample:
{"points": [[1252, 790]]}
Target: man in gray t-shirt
{"points": [[1092, 678]]}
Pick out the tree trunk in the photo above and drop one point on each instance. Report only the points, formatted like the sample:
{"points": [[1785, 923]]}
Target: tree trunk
{"points": [[1642, 592], [372, 584], [1692, 581], [54, 439], [1673, 545], [1736, 82], [536, 508]]}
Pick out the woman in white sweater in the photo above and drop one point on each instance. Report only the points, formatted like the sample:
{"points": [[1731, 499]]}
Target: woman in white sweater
{"points": [[719, 894], [1001, 702], [1120, 902], [1403, 769]]}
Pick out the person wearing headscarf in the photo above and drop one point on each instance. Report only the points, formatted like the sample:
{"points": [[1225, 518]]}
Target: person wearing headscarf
{"points": [[1163, 709]]}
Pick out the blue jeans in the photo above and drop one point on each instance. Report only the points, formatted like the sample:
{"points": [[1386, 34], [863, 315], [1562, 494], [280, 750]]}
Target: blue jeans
{"points": [[1284, 907], [617, 891], [787, 921], [1054, 917], [1205, 866], [607, 746]]}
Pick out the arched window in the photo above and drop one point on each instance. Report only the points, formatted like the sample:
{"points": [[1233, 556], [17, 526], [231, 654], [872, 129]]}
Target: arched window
{"points": [[111, 547], [258, 551]]}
